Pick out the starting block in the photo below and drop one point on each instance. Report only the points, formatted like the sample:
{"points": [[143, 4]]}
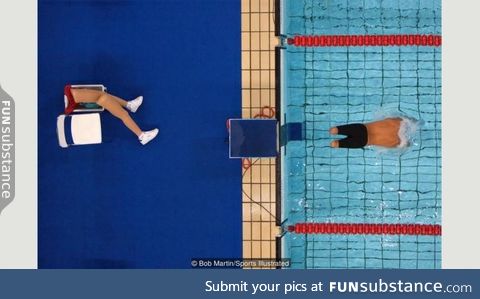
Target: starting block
{"points": [[253, 138]]}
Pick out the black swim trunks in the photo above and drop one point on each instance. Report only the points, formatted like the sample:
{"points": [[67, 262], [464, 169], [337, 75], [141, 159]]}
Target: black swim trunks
{"points": [[357, 136]]}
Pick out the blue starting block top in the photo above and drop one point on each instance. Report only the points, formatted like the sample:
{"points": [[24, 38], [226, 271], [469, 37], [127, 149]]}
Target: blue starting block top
{"points": [[253, 138]]}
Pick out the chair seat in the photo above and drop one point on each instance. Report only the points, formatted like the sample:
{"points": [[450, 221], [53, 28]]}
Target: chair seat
{"points": [[79, 129]]}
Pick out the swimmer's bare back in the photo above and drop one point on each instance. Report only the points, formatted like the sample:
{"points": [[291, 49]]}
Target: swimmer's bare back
{"points": [[384, 132]]}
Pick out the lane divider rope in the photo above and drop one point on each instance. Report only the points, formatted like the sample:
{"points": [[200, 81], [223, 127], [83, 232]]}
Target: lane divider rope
{"points": [[366, 229], [365, 40]]}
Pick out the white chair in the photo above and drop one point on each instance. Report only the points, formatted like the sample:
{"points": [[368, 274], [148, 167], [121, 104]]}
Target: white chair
{"points": [[79, 129], [90, 107]]}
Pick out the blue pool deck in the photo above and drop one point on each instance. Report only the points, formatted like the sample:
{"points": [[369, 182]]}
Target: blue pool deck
{"points": [[327, 86], [121, 204]]}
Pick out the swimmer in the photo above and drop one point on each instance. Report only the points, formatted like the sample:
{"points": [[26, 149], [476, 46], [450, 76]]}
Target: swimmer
{"points": [[389, 133], [115, 105]]}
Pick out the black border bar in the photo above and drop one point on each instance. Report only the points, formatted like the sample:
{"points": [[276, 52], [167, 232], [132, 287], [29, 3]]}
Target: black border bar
{"points": [[278, 160], [277, 17]]}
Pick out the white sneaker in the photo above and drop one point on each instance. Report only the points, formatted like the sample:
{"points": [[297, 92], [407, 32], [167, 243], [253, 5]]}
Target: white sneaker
{"points": [[147, 136], [134, 104]]}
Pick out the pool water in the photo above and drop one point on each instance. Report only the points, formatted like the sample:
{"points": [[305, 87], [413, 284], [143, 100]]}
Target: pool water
{"points": [[327, 86]]}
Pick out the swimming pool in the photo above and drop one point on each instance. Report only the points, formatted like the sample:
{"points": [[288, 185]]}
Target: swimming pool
{"points": [[332, 85]]}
